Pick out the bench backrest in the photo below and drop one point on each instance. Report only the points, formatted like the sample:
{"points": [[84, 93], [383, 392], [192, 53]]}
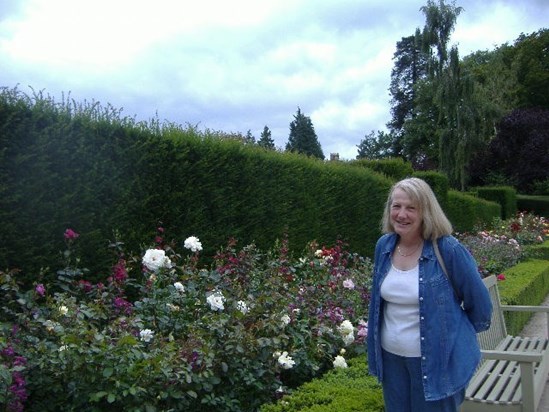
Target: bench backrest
{"points": [[490, 338]]}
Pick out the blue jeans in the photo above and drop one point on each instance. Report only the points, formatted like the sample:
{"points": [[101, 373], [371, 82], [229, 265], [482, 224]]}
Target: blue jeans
{"points": [[403, 388]]}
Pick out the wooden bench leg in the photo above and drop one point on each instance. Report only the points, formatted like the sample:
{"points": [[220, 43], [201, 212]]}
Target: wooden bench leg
{"points": [[527, 380]]}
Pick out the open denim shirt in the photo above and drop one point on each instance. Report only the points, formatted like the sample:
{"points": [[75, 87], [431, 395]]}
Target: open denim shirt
{"points": [[448, 323]]}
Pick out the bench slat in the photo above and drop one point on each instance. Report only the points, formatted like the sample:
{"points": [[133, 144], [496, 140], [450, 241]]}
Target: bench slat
{"points": [[497, 383]]}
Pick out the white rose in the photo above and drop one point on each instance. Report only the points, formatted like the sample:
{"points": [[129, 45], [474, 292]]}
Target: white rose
{"points": [[339, 362], [216, 301], [63, 310], [348, 339], [156, 259], [50, 326], [348, 284], [146, 335], [193, 244], [286, 361], [346, 328], [179, 287], [242, 307]]}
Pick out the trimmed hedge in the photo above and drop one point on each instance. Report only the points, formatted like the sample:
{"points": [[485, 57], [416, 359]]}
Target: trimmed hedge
{"points": [[343, 390], [467, 212], [538, 205], [526, 283], [439, 184], [109, 178], [539, 251], [506, 196], [394, 168]]}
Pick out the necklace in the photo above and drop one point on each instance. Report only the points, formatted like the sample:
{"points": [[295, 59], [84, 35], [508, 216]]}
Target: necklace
{"points": [[409, 254]]}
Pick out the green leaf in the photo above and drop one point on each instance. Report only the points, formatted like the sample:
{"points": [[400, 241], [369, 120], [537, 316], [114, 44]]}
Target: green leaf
{"points": [[94, 397], [111, 398], [127, 340], [5, 375], [107, 372]]}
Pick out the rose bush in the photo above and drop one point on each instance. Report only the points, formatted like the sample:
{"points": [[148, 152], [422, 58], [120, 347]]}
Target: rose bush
{"points": [[162, 333]]}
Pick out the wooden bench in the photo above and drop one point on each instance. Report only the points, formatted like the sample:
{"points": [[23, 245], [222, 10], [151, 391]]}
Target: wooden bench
{"points": [[514, 369]]}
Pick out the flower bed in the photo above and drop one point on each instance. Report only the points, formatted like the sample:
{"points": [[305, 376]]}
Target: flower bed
{"points": [[163, 332]]}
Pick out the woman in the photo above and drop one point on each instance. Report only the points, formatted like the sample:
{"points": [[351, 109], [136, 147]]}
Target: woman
{"points": [[422, 322]]}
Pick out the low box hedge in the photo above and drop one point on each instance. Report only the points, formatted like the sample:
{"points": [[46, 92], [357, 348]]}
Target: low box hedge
{"points": [[526, 283], [341, 389]]}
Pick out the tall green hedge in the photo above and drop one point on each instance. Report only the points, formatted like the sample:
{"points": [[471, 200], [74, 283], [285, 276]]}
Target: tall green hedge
{"points": [[538, 205], [86, 167], [506, 196], [394, 168], [439, 184], [467, 212]]}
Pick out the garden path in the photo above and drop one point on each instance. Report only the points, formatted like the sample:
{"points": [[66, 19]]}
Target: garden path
{"points": [[537, 326]]}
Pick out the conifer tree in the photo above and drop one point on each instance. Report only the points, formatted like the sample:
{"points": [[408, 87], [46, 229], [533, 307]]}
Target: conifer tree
{"points": [[303, 138], [265, 140], [249, 138]]}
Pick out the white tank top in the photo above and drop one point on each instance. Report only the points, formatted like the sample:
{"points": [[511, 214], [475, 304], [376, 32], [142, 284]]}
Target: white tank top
{"points": [[400, 325]]}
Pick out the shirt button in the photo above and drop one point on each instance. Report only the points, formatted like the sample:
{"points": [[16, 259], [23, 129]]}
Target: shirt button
{"points": [[424, 376], [421, 298], [423, 357], [421, 279], [422, 318], [422, 338]]}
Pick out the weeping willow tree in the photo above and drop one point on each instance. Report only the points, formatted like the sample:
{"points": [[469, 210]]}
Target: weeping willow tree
{"points": [[424, 130], [460, 126], [458, 121], [440, 21]]}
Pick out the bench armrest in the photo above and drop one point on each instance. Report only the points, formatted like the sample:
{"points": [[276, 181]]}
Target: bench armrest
{"points": [[519, 308], [516, 356]]}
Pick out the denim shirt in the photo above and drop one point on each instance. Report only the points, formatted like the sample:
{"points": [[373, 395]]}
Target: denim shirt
{"points": [[448, 323]]}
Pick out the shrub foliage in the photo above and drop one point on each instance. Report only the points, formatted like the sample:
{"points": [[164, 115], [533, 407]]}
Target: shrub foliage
{"points": [[230, 337]]}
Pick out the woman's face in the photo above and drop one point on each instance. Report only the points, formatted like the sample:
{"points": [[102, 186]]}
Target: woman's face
{"points": [[405, 216]]}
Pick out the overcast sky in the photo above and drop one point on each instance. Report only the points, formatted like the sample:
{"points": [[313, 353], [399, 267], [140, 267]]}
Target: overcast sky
{"points": [[237, 65]]}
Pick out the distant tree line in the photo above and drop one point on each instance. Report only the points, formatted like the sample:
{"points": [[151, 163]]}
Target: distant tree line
{"points": [[302, 138]]}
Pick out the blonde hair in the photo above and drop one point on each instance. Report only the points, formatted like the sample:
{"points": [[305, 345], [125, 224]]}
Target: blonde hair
{"points": [[434, 222]]}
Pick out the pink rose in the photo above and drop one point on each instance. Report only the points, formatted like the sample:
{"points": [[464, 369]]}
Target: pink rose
{"points": [[40, 289], [70, 234]]}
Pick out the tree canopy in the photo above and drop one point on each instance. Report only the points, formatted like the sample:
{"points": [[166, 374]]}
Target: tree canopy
{"points": [[446, 109], [519, 154], [374, 146]]}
